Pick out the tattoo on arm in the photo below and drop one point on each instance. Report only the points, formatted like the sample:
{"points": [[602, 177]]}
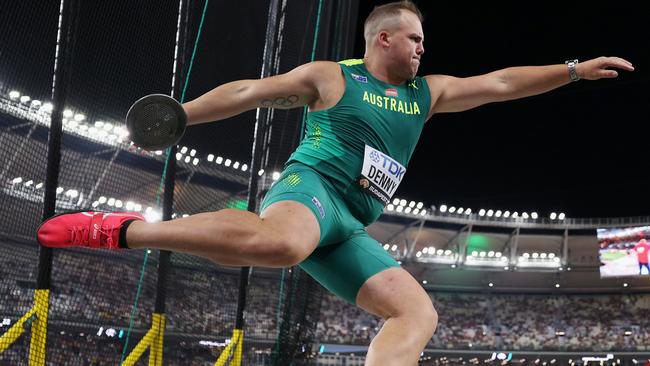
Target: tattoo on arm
{"points": [[286, 102]]}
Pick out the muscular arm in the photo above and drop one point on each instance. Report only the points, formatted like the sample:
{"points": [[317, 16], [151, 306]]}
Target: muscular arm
{"points": [[299, 87], [451, 94]]}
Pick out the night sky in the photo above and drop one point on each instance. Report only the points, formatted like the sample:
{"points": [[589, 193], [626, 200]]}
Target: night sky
{"points": [[581, 149]]}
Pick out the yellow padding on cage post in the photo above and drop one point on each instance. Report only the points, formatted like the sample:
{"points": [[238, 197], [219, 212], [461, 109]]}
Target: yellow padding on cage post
{"points": [[15, 331], [232, 354], [152, 340], [39, 328]]}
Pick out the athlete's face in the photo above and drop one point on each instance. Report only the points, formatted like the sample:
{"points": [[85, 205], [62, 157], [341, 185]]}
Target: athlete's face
{"points": [[407, 45]]}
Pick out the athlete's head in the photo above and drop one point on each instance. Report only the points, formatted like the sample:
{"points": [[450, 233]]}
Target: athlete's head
{"points": [[393, 32]]}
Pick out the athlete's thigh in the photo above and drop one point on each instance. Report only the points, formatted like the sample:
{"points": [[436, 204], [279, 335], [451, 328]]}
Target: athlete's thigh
{"points": [[310, 199], [345, 267]]}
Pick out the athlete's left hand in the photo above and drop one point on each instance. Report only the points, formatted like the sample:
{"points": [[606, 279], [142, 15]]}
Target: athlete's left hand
{"points": [[600, 67]]}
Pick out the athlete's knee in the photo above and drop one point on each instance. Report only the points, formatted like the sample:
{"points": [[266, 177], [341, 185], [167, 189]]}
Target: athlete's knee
{"points": [[422, 315], [282, 248]]}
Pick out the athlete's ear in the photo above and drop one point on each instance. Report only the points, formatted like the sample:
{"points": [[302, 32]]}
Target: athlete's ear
{"points": [[383, 37]]}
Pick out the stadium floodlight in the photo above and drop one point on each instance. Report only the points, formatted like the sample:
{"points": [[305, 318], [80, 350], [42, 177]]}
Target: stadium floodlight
{"points": [[561, 216], [187, 159], [14, 94], [68, 113], [79, 117], [416, 211], [424, 282], [468, 211], [443, 208], [195, 161], [490, 213], [402, 202], [47, 107], [29, 183], [59, 190], [393, 248], [515, 215], [420, 205], [490, 253], [159, 152], [396, 201], [534, 215], [228, 162], [412, 204], [192, 152], [118, 203], [99, 124], [220, 160], [102, 199], [386, 246], [423, 212], [524, 215], [407, 210], [137, 207], [111, 201], [460, 210], [452, 209], [183, 149], [179, 156], [491, 284], [36, 103], [498, 213], [418, 254], [481, 212], [244, 168], [553, 215], [260, 172], [17, 180], [25, 98], [506, 214], [153, 216], [276, 175], [235, 165], [557, 285], [129, 205], [399, 208], [95, 204], [625, 284]]}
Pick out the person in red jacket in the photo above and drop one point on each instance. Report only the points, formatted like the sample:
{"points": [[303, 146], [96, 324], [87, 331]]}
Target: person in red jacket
{"points": [[641, 248]]}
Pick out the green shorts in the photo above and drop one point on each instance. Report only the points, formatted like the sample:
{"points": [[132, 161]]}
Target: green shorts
{"points": [[346, 255]]}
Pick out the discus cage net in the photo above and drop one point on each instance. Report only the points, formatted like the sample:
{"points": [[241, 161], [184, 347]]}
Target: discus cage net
{"points": [[69, 71]]}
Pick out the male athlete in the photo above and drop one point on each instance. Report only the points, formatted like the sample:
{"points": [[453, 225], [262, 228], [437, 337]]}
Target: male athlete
{"points": [[365, 118]]}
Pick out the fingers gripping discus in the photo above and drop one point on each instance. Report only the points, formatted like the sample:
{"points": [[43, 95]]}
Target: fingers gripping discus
{"points": [[156, 122]]}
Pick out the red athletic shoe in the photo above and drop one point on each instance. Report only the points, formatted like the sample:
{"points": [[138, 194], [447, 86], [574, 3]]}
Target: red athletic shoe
{"points": [[84, 229]]}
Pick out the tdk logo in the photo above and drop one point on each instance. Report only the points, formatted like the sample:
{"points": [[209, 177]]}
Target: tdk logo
{"points": [[391, 166]]}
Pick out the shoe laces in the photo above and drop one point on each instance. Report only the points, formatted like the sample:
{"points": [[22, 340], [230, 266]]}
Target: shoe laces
{"points": [[80, 235]]}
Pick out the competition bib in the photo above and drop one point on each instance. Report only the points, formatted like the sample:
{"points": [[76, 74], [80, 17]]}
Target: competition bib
{"points": [[380, 175]]}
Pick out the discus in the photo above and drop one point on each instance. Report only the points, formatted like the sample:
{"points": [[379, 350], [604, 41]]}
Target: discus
{"points": [[156, 122]]}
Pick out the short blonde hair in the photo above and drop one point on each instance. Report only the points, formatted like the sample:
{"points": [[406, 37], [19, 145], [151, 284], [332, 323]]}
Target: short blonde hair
{"points": [[380, 14]]}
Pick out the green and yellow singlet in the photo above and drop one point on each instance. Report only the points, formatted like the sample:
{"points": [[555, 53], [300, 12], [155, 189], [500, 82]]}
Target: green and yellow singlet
{"points": [[375, 121]]}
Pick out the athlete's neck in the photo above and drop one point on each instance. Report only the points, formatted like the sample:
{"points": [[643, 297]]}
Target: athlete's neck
{"points": [[381, 71]]}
